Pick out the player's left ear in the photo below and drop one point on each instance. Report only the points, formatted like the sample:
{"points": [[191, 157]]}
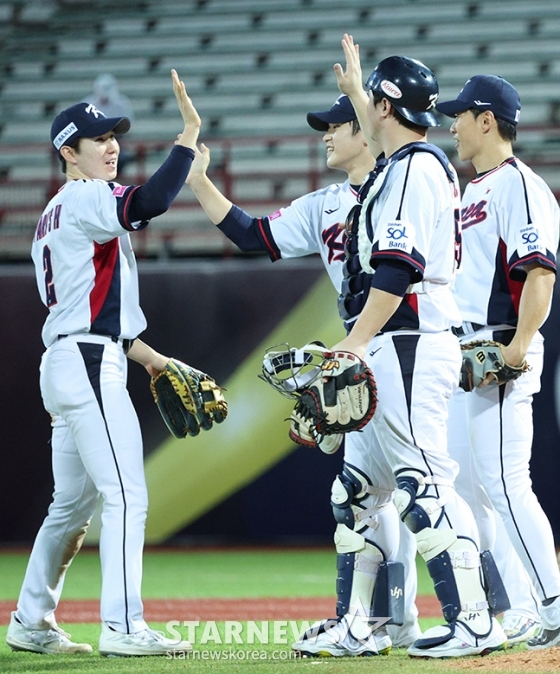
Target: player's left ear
{"points": [[68, 154]]}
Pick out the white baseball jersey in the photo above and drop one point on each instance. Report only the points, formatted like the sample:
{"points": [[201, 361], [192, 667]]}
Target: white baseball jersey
{"points": [[510, 218], [84, 264], [411, 214], [313, 223]]}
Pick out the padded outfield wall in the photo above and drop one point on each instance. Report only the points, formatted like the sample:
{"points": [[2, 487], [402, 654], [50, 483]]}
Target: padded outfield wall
{"points": [[244, 481]]}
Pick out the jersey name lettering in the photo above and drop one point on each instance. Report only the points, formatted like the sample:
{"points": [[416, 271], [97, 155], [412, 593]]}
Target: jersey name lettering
{"points": [[48, 222], [474, 214]]}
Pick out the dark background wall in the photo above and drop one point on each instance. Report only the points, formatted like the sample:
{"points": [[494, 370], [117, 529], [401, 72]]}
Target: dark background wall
{"points": [[211, 314]]}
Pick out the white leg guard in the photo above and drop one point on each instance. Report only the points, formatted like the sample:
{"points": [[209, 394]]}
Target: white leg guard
{"points": [[360, 508], [358, 563], [454, 566], [454, 563]]}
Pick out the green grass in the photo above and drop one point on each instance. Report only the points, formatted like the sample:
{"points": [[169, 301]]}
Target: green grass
{"points": [[216, 573], [193, 574], [247, 659]]}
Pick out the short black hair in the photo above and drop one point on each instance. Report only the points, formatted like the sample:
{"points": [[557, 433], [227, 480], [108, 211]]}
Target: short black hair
{"points": [[507, 130], [75, 145], [355, 127], [378, 97]]}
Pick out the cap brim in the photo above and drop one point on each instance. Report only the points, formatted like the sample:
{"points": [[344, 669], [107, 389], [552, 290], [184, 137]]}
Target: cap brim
{"points": [[116, 124], [451, 108], [320, 121], [104, 125]]}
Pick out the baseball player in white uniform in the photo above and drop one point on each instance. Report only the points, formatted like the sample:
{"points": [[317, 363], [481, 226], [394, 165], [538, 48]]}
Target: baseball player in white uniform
{"points": [[87, 278], [522, 620], [407, 238], [367, 522], [510, 239]]}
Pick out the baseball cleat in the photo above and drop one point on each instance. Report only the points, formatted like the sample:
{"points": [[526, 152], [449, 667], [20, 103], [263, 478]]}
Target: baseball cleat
{"points": [[549, 632], [145, 642], [544, 638], [518, 628], [51, 640], [402, 638], [333, 638], [455, 640]]}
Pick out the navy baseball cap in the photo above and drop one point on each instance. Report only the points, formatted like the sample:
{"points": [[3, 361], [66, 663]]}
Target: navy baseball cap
{"points": [[341, 112], [84, 120], [486, 92]]}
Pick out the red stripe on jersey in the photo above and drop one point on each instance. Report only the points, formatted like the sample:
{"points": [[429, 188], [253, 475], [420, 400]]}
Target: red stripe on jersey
{"points": [[266, 240], [126, 220], [543, 261], [104, 261], [412, 300], [515, 287], [479, 178]]}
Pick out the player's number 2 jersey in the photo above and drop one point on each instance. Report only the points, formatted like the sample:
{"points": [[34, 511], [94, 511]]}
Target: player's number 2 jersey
{"points": [[84, 263]]}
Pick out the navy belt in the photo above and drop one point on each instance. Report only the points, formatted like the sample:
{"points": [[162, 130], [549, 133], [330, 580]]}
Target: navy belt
{"points": [[466, 328], [126, 343]]}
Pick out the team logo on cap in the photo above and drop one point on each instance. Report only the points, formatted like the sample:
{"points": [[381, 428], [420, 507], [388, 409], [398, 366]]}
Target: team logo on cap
{"points": [[390, 89], [94, 111]]}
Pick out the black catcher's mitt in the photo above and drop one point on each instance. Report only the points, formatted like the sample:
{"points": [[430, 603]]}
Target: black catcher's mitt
{"points": [[187, 399], [335, 391], [483, 357]]}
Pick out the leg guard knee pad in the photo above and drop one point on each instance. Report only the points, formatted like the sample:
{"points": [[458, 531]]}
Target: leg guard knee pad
{"points": [[355, 500], [419, 499]]}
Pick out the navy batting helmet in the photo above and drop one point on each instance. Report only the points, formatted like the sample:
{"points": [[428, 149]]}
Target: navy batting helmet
{"points": [[409, 86]]}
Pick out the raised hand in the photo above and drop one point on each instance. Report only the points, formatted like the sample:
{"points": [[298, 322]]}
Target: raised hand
{"points": [[190, 116], [200, 164], [349, 80]]}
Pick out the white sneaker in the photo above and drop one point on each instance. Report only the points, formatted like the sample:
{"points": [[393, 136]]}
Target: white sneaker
{"points": [[50, 640], [334, 638], [146, 642], [402, 636], [518, 628], [549, 632], [455, 640]]}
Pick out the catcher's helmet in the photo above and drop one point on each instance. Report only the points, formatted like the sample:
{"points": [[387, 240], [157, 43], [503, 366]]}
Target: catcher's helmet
{"points": [[409, 86]]}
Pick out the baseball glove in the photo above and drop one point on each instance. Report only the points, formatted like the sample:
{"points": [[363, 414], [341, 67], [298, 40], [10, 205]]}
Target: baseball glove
{"points": [[188, 399], [335, 391], [302, 433], [483, 357]]}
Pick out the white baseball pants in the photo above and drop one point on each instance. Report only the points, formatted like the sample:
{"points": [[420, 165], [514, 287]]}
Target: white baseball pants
{"points": [[96, 450]]}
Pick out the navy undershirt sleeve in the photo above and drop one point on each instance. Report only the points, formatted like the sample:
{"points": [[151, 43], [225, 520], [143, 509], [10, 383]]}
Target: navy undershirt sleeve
{"points": [[241, 228], [158, 192], [393, 276]]}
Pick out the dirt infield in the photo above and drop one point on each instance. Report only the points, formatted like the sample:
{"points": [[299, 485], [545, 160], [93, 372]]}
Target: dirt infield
{"points": [[163, 610], [537, 662]]}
